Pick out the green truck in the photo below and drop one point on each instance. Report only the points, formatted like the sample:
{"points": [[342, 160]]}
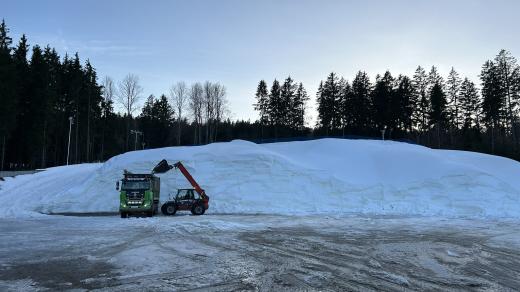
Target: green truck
{"points": [[139, 193]]}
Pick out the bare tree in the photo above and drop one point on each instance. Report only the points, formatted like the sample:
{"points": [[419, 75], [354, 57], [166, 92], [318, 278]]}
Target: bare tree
{"points": [[209, 108], [129, 94], [179, 96], [196, 104], [220, 105], [109, 90]]}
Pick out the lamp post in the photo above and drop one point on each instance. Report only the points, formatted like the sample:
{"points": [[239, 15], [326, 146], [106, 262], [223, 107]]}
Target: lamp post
{"points": [[71, 121], [135, 132]]}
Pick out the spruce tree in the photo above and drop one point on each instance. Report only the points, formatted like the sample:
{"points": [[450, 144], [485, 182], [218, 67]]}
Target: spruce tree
{"points": [[493, 103], [470, 106], [361, 104], [434, 78], [346, 106], [508, 71], [324, 117], [287, 109], [382, 96], [300, 99], [421, 100], [275, 106], [403, 105], [8, 97], [262, 103], [453, 85], [332, 91], [438, 116]]}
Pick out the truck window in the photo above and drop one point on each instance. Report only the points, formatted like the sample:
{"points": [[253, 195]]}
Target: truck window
{"points": [[135, 185]]}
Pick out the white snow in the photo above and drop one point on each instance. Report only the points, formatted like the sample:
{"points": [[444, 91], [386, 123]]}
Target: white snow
{"points": [[333, 176]]}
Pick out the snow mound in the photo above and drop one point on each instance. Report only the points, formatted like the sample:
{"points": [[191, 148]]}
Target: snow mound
{"points": [[333, 176]]}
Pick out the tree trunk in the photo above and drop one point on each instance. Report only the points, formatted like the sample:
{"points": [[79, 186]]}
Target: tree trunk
{"points": [[3, 153], [438, 136], [88, 129], [76, 156], [493, 138], [179, 131], [102, 152], [42, 165]]}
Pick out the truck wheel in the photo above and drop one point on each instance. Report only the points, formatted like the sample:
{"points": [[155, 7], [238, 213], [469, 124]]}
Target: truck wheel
{"points": [[124, 215], [198, 210], [168, 209]]}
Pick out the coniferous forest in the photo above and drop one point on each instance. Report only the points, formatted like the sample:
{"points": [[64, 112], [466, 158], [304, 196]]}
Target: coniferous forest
{"points": [[45, 97]]}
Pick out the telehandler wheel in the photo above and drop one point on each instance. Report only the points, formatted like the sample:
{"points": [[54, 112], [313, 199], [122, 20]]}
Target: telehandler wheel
{"points": [[124, 215], [168, 209], [198, 210]]}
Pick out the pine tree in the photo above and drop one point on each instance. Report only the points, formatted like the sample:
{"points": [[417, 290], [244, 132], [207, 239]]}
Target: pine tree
{"points": [[346, 106], [262, 104], [324, 117], [470, 107], [453, 85], [286, 107], [300, 99], [493, 103], [332, 99], [22, 77], [434, 78], [421, 100], [275, 106], [382, 96], [361, 104], [508, 72], [438, 116], [403, 103], [8, 98]]}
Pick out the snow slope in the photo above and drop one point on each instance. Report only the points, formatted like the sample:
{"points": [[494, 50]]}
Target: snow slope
{"points": [[319, 176]]}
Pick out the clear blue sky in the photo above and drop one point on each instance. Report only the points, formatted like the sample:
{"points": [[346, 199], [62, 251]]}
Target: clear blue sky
{"points": [[240, 42]]}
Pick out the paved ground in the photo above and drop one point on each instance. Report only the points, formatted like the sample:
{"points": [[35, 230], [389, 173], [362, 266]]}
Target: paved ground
{"points": [[258, 253]]}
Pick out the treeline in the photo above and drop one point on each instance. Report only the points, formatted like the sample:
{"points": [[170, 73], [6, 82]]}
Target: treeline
{"points": [[54, 110], [38, 94], [451, 112], [282, 108], [46, 99]]}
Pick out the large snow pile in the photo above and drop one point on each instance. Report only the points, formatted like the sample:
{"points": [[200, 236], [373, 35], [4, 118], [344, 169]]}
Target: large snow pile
{"points": [[321, 176]]}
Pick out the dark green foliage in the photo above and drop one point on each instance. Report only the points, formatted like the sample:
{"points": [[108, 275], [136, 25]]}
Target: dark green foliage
{"points": [[262, 102], [361, 104], [156, 121], [438, 102], [383, 97]]}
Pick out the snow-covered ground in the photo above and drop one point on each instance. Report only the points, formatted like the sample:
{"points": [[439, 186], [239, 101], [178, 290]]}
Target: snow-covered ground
{"points": [[332, 176], [259, 253]]}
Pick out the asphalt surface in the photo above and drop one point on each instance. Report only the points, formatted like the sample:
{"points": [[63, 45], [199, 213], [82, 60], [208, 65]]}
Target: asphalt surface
{"points": [[259, 253]]}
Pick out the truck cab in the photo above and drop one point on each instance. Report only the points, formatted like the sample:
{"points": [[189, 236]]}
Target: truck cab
{"points": [[138, 194]]}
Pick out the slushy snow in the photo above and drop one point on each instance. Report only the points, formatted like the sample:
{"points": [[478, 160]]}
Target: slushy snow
{"points": [[327, 176]]}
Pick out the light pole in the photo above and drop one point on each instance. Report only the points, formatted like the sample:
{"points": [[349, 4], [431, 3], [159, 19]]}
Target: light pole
{"points": [[135, 132], [71, 121]]}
